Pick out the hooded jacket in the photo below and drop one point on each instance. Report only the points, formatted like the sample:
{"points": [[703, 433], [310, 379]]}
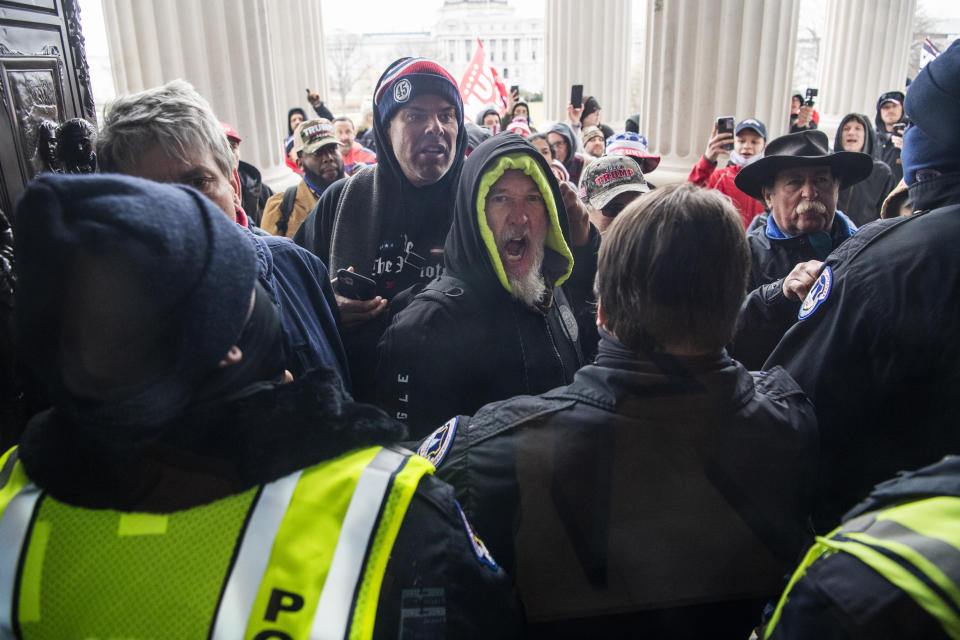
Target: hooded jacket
{"points": [[862, 201], [573, 163], [465, 340], [379, 223]]}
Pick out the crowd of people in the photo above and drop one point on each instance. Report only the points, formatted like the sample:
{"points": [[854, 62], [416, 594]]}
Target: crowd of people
{"points": [[669, 411]]}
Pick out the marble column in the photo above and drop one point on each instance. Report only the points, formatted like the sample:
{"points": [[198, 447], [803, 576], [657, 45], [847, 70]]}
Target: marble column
{"points": [[588, 43], [865, 53], [251, 59], [709, 58]]}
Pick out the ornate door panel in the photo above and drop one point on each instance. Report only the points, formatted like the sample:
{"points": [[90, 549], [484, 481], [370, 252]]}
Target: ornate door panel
{"points": [[43, 77]]}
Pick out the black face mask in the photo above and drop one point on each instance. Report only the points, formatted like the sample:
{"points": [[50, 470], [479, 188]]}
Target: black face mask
{"points": [[262, 347]]}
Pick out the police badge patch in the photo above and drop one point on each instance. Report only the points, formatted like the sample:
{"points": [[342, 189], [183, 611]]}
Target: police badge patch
{"points": [[818, 294], [479, 549], [435, 447]]}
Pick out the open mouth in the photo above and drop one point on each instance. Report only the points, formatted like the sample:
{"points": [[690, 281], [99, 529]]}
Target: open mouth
{"points": [[515, 248], [433, 150]]}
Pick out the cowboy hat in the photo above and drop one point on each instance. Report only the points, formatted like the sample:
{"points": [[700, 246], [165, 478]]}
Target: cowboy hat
{"points": [[803, 149]]}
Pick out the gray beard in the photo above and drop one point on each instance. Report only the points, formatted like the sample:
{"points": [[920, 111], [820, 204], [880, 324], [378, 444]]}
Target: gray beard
{"points": [[531, 288]]}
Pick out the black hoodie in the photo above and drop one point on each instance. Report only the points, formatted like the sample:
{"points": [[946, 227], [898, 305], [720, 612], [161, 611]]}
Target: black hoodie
{"points": [[379, 223], [862, 201], [465, 340]]}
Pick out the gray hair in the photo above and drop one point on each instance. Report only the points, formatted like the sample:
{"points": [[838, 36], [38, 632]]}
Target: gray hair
{"points": [[173, 116]]}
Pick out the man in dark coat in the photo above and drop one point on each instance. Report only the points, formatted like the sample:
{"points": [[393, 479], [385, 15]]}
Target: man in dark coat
{"points": [[389, 221], [799, 180], [877, 346], [889, 113], [861, 202], [498, 322], [182, 466], [664, 492]]}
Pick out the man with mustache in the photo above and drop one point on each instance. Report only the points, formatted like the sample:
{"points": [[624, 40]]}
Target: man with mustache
{"points": [[799, 181], [388, 221], [318, 156], [498, 322]]}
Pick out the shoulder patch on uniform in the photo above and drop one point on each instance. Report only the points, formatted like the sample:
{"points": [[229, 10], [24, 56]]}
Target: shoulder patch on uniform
{"points": [[480, 550], [818, 294], [435, 446]]}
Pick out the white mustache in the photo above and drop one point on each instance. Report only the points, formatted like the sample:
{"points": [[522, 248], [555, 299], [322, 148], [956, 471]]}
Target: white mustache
{"points": [[811, 205]]}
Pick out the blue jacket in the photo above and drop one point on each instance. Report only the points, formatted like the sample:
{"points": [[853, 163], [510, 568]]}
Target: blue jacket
{"points": [[299, 285]]}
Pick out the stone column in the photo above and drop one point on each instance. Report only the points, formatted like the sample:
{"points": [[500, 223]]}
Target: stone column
{"points": [[588, 43], [251, 59], [710, 58], [865, 53]]}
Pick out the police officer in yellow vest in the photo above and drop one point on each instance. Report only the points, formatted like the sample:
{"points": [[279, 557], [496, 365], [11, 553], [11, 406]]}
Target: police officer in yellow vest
{"points": [[181, 486], [890, 570]]}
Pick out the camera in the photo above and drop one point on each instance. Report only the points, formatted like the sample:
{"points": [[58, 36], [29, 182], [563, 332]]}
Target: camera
{"points": [[811, 94]]}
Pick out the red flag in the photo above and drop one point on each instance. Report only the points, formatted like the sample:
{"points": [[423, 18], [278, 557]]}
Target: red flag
{"points": [[480, 85]]}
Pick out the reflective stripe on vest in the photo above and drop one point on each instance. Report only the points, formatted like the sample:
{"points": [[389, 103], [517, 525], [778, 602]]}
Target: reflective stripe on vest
{"points": [[915, 546], [307, 561]]}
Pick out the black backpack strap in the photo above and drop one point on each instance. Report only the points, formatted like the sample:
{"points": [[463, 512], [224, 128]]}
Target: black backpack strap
{"points": [[286, 209]]}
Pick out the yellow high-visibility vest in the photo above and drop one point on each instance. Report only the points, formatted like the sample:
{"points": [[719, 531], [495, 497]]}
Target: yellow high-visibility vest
{"points": [[300, 557], [901, 543]]}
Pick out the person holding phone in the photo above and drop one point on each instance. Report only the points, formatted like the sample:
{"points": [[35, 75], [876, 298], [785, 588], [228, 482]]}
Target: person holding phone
{"points": [[890, 122], [746, 144], [582, 113]]}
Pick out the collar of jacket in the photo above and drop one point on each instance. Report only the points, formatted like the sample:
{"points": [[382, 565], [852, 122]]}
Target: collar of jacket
{"points": [[258, 434], [629, 383], [936, 192], [843, 227]]}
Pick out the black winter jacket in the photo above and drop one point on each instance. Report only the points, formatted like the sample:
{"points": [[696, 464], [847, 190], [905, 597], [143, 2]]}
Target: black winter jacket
{"points": [[653, 497], [261, 433], [465, 340], [879, 352], [862, 201]]}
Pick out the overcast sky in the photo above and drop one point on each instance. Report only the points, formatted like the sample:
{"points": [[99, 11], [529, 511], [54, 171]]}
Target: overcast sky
{"points": [[383, 15]]}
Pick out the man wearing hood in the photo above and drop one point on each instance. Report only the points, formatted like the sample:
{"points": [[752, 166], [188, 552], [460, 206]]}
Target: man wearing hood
{"points": [[489, 118], [877, 347], [889, 113], [388, 221], [564, 144], [498, 322], [749, 139], [182, 480], [862, 201]]}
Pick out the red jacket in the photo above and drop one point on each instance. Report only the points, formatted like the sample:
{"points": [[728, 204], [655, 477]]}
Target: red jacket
{"points": [[705, 174], [359, 154]]}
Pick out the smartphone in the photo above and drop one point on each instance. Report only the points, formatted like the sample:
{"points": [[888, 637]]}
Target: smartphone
{"points": [[811, 94], [899, 128], [725, 125], [576, 96], [515, 92], [355, 286]]}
